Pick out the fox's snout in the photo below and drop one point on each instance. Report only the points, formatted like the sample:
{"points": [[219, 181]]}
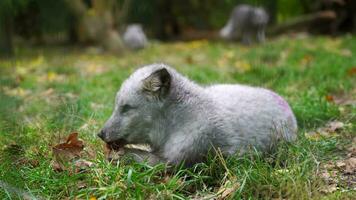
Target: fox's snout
{"points": [[101, 135]]}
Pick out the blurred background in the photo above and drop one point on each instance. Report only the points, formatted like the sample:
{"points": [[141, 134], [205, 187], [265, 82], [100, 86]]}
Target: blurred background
{"points": [[101, 22]]}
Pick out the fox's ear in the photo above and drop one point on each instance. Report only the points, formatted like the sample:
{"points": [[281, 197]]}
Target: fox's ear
{"points": [[158, 83]]}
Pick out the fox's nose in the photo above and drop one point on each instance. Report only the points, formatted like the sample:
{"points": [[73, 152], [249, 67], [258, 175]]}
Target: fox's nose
{"points": [[101, 134]]}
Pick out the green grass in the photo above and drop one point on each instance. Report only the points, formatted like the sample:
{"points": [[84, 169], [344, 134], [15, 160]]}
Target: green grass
{"points": [[48, 92]]}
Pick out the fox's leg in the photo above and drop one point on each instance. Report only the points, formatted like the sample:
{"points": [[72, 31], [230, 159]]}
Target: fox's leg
{"points": [[261, 35], [246, 37], [143, 156]]}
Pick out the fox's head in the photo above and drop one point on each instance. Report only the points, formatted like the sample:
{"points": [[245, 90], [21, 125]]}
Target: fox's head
{"points": [[137, 104], [260, 17], [135, 28]]}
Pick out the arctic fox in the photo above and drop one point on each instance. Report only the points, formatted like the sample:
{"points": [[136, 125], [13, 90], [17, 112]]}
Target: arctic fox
{"points": [[134, 37], [246, 22], [182, 121]]}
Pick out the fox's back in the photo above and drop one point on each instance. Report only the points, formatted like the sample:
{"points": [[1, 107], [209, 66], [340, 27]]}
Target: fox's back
{"points": [[252, 114]]}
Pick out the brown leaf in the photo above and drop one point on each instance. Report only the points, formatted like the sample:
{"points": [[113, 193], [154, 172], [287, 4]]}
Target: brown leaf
{"points": [[228, 189], [189, 59], [66, 152], [351, 151], [81, 165], [340, 164], [307, 59], [334, 126], [329, 188], [350, 165], [329, 98], [114, 150], [352, 71], [112, 154], [81, 185], [325, 175]]}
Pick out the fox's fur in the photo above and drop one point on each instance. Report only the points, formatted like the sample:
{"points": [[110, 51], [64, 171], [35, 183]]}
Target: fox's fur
{"points": [[134, 37], [246, 22], [182, 120]]}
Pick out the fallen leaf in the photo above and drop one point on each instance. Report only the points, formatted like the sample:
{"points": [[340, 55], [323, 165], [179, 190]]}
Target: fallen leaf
{"points": [[329, 188], [329, 98], [325, 175], [113, 154], [228, 189], [92, 198], [328, 165], [242, 66], [312, 135], [66, 152], [346, 52], [48, 92], [330, 129], [81, 185], [334, 126], [16, 92], [307, 59], [351, 151], [83, 163], [189, 59], [350, 165], [51, 77], [340, 164], [352, 71]]}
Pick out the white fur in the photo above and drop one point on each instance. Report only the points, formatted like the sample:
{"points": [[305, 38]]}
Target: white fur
{"points": [[246, 22], [134, 37], [192, 119]]}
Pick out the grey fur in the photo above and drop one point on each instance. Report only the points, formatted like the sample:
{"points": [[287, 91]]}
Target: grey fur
{"points": [[134, 37], [246, 21], [182, 121]]}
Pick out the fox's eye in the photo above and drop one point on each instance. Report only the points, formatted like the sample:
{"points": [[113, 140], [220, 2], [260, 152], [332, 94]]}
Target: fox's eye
{"points": [[125, 108]]}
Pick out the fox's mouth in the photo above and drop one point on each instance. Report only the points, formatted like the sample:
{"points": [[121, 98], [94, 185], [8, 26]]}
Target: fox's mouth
{"points": [[117, 144]]}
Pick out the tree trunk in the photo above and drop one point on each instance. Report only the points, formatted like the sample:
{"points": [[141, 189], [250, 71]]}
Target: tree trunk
{"points": [[302, 22], [95, 23], [6, 43]]}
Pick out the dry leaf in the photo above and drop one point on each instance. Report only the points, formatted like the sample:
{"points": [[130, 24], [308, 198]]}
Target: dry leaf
{"points": [[352, 71], [335, 126], [66, 152], [189, 59], [306, 60], [329, 98], [228, 189], [92, 198], [350, 165], [51, 77], [340, 164], [16, 92], [242, 66], [83, 164], [81, 185], [325, 175], [113, 154], [351, 151], [330, 129], [329, 188], [346, 52]]}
